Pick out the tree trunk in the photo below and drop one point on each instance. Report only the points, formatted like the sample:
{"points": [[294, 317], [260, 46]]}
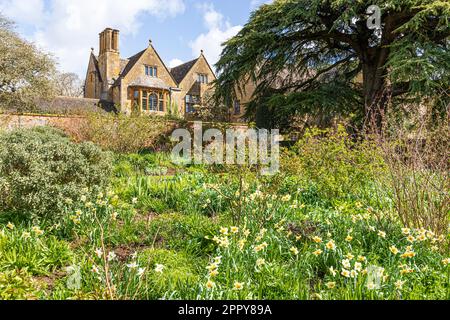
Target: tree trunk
{"points": [[376, 94]]}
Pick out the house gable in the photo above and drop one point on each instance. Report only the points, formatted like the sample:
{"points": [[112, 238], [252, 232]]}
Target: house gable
{"points": [[136, 67], [92, 84], [190, 83]]}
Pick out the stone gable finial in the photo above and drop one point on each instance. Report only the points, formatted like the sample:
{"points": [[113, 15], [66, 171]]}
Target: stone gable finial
{"points": [[150, 42], [92, 50], [201, 51]]}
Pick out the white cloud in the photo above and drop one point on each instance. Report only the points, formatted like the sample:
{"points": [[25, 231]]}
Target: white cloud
{"points": [[174, 62], [68, 28], [219, 30], [23, 11]]}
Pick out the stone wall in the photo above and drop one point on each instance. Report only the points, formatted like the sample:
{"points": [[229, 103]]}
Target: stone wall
{"points": [[14, 121]]}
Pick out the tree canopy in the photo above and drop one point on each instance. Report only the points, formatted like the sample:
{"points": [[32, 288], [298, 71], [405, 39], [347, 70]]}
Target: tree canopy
{"points": [[26, 73], [321, 56]]}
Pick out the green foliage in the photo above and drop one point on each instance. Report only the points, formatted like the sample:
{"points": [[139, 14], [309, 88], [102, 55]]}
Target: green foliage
{"points": [[42, 172], [335, 163], [28, 249], [26, 73], [319, 57], [182, 233], [19, 285], [178, 275]]}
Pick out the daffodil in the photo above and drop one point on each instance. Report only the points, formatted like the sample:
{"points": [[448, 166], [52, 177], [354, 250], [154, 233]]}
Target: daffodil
{"points": [[95, 269], [399, 284], [234, 230], [159, 268], [37, 231], [349, 256], [224, 231], [346, 263], [294, 251], [260, 262], [111, 256], [411, 239], [99, 252], [213, 266], [345, 273], [286, 198], [331, 245], [318, 252], [333, 271], [382, 234], [408, 254], [362, 259], [331, 285], [371, 286], [132, 265], [317, 239], [353, 274], [210, 285], [238, 286], [241, 244], [358, 266], [446, 261], [394, 250], [10, 226], [406, 231], [349, 238], [26, 235], [214, 273], [141, 271]]}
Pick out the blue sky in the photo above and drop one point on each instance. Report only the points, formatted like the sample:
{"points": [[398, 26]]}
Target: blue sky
{"points": [[179, 29]]}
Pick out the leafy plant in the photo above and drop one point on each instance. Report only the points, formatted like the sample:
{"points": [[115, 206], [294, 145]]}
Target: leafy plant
{"points": [[42, 172]]}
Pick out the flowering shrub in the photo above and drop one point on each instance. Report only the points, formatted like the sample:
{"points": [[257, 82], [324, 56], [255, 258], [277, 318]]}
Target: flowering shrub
{"points": [[42, 172]]}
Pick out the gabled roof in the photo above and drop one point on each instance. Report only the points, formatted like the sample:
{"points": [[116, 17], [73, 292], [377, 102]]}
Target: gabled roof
{"points": [[131, 62], [134, 59], [97, 69], [180, 72]]}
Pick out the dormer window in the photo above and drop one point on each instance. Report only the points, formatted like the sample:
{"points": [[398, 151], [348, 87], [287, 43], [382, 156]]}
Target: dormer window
{"points": [[202, 78], [151, 71]]}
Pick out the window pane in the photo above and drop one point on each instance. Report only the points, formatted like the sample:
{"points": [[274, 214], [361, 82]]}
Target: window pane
{"points": [[155, 73], [144, 104]]}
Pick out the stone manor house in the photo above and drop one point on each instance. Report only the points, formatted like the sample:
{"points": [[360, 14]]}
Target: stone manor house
{"points": [[144, 83]]}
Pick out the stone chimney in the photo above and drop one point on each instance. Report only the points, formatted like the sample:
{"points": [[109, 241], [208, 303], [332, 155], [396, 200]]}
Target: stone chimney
{"points": [[109, 60]]}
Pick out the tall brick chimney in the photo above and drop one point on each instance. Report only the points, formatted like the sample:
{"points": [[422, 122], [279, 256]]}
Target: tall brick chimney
{"points": [[109, 60]]}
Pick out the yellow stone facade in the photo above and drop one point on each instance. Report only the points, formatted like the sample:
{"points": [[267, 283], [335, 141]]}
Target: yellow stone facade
{"points": [[143, 82]]}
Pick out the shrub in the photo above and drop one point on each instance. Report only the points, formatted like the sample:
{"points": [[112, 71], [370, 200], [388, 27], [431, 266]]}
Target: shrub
{"points": [[335, 163], [121, 133], [42, 172], [418, 166]]}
